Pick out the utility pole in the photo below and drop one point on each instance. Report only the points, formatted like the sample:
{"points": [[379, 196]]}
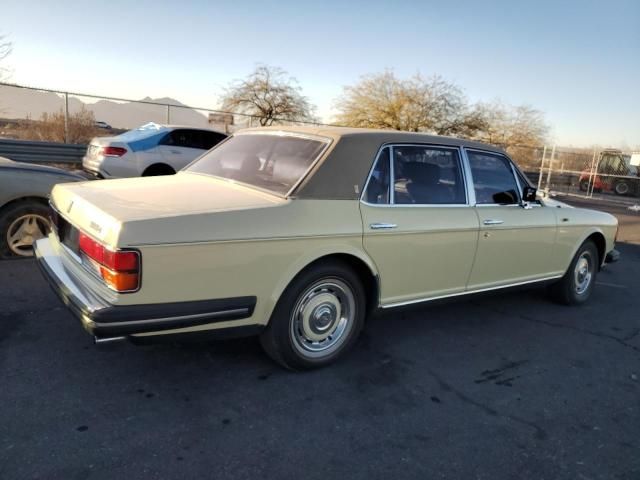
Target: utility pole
{"points": [[66, 117]]}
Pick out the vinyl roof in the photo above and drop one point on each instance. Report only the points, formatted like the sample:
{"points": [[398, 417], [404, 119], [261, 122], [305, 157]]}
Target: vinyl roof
{"points": [[340, 174]]}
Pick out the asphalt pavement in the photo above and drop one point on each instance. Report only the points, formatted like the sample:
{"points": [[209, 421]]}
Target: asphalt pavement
{"points": [[509, 386]]}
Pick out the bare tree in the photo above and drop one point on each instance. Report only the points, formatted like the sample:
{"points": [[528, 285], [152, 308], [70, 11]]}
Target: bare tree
{"points": [[270, 95], [415, 104], [521, 130], [5, 50], [50, 127], [512, 125]]}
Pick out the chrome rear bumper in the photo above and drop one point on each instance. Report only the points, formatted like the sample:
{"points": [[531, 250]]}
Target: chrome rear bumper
{"points": [[104, 320]]}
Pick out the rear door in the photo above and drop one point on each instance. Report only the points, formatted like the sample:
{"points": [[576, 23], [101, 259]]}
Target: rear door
{"points": [[516, 244], [182, 146], [418, 226]]}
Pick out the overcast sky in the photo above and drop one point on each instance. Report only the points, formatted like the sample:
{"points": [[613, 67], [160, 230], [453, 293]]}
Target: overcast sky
{"points": [[579, 62]]}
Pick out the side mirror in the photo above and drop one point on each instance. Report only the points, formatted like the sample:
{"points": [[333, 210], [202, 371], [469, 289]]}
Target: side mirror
{"points": [[529, 194]]}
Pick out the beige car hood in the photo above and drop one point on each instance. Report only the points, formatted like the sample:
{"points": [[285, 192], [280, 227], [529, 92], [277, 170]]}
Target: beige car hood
{"points": [[107, 209]]}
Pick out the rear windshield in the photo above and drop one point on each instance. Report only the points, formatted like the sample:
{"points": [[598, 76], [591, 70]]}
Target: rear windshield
{"points": [[145, 131], [270, 162]]}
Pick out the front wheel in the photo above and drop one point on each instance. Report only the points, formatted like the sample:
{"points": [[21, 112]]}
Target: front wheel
{"points": [[317, 319], [584, 185], [576, 285]]}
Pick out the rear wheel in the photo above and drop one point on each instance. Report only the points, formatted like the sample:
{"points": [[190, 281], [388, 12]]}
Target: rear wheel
{"points": [[317, 319], [622, 188], [576, 285], [21, 224]]}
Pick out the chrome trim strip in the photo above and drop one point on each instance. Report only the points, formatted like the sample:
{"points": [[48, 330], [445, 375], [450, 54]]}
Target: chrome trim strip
{"points": [[468, 292], [246, 240], [423, 231], [413, 205]]}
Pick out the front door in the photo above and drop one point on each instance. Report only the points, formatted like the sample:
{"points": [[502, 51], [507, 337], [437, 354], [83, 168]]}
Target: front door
{"points": [[515, 244], [418, 226]]}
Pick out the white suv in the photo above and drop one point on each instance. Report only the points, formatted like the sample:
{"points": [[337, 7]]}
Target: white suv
{"points": [[151, 149]]}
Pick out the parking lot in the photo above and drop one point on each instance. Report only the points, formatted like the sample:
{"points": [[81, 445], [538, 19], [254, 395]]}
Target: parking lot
{"points": [[505, 386]]}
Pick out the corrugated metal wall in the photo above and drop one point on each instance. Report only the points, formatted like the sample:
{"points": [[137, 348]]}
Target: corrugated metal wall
{"points": [[42, 152]]}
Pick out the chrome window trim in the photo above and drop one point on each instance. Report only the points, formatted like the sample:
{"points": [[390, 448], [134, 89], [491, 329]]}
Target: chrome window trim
{"points": [[468, 292], [391, 145], [392, 176], [471, 191]]}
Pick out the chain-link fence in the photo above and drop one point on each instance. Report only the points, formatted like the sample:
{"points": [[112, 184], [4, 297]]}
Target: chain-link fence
{"points": [[28, 113], [594, 173]]}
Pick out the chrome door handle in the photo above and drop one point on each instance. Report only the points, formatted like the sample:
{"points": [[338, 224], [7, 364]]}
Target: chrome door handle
{"points": [[493, 222], [382, 226]]}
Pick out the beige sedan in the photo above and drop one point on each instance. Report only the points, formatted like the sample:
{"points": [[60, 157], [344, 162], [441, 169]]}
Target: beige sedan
{"points": [[298, 234]]}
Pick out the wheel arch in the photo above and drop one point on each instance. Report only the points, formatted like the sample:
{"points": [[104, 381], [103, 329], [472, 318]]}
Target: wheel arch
{"points": [[597, 236], [362, 265], [601, 244], [25, 198], [158, 166]]}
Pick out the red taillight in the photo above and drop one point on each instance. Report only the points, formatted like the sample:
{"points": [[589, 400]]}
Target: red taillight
{"points": [[113, 151], [120, 269]]}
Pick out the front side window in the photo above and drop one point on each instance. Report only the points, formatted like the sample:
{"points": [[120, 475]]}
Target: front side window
{"points": [[493, 179], [427, 176], [267, 161]]}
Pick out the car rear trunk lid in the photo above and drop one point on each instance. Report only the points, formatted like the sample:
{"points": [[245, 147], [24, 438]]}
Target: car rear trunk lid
{"points": [[104, 208]]}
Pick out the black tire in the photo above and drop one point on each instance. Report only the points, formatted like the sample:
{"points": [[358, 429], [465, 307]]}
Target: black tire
{"points": [[569, 290], [584, 185], [285, 339], [622, 188], [8, 218], [157, 170]]}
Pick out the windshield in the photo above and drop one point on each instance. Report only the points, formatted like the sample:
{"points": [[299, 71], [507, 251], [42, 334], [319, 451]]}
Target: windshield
{"points": [[270, 162]]}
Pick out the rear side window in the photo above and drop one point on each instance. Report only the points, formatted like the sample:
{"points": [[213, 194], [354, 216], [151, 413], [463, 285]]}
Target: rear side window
{"points": [[378, 186], [200, 139], [427, 176], [493, 179]]}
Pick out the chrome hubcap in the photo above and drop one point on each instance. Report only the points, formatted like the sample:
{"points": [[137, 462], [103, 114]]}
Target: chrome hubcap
{"points": [[583, 273], [25, 230], [322, 318]]}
